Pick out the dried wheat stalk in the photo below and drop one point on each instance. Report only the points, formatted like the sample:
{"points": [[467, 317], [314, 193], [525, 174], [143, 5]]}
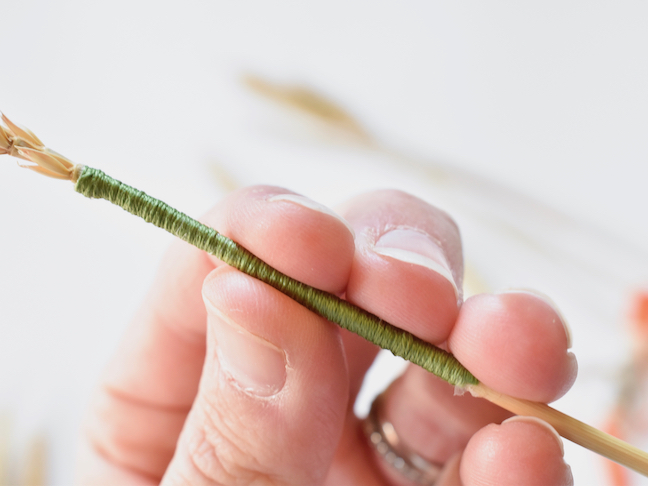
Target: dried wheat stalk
{"points": [[22, 143]]}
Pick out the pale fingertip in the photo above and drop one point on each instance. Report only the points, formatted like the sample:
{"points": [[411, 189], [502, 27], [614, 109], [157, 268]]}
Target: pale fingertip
{"points": [[513, 453], [306, 244], [539, 422], [412, 246], [549, 301], [310, 204], [513, 344]]}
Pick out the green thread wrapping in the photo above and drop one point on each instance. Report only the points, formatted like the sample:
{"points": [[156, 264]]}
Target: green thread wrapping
{"points": [[94, 183]]}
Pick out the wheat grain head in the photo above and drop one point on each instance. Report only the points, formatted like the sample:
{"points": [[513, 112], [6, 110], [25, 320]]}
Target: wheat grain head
{"points": [[21, 143]]}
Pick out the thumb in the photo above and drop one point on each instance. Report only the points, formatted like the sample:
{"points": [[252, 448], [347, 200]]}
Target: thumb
{"points": [[273, 392]]}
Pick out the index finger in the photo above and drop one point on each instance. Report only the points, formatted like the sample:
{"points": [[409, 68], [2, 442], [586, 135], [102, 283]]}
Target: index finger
{"points": [[149, 388]]}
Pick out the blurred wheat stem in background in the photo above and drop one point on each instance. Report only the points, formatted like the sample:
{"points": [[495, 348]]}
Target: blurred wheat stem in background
{"points": [[470, 193], [22, 143]]}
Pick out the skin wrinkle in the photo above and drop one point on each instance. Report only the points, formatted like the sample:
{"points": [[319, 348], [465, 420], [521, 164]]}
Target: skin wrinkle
{"points": [[118, 436], [216, 444], [119, 440], [95, 444], [139, 402], [110, 459], [199, 448], [222, 439], [192, 339], [211, 435]]}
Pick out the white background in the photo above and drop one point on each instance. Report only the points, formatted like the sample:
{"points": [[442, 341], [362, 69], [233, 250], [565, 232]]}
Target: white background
{"points": [[547, 99]]}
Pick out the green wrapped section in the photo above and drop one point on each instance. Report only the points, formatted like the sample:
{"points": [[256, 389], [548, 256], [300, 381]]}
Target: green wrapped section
{"points": [[94, 183]]}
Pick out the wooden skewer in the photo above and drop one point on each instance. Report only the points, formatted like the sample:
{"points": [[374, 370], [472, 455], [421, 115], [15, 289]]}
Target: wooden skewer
{"points": [[570, 428]]}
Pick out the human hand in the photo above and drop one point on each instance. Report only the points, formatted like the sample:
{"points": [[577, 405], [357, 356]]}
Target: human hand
{"points": [[248, 387]]}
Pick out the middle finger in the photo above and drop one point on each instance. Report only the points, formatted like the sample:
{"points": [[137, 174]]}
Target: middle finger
{"points": [[407, 270]]}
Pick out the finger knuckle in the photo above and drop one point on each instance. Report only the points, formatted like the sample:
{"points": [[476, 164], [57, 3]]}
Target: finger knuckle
{"points": [[225, 455]]}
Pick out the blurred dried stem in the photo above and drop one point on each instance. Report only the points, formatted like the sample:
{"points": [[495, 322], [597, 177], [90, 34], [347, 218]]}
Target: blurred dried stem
{"points": [[505, 209], [311, 103], [32, 470]]}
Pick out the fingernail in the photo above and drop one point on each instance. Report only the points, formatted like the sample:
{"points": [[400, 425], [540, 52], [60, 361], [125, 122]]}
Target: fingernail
{"points": [[417, 248], [253, 364], [537, 421], [310, 204], [550, 303]]}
